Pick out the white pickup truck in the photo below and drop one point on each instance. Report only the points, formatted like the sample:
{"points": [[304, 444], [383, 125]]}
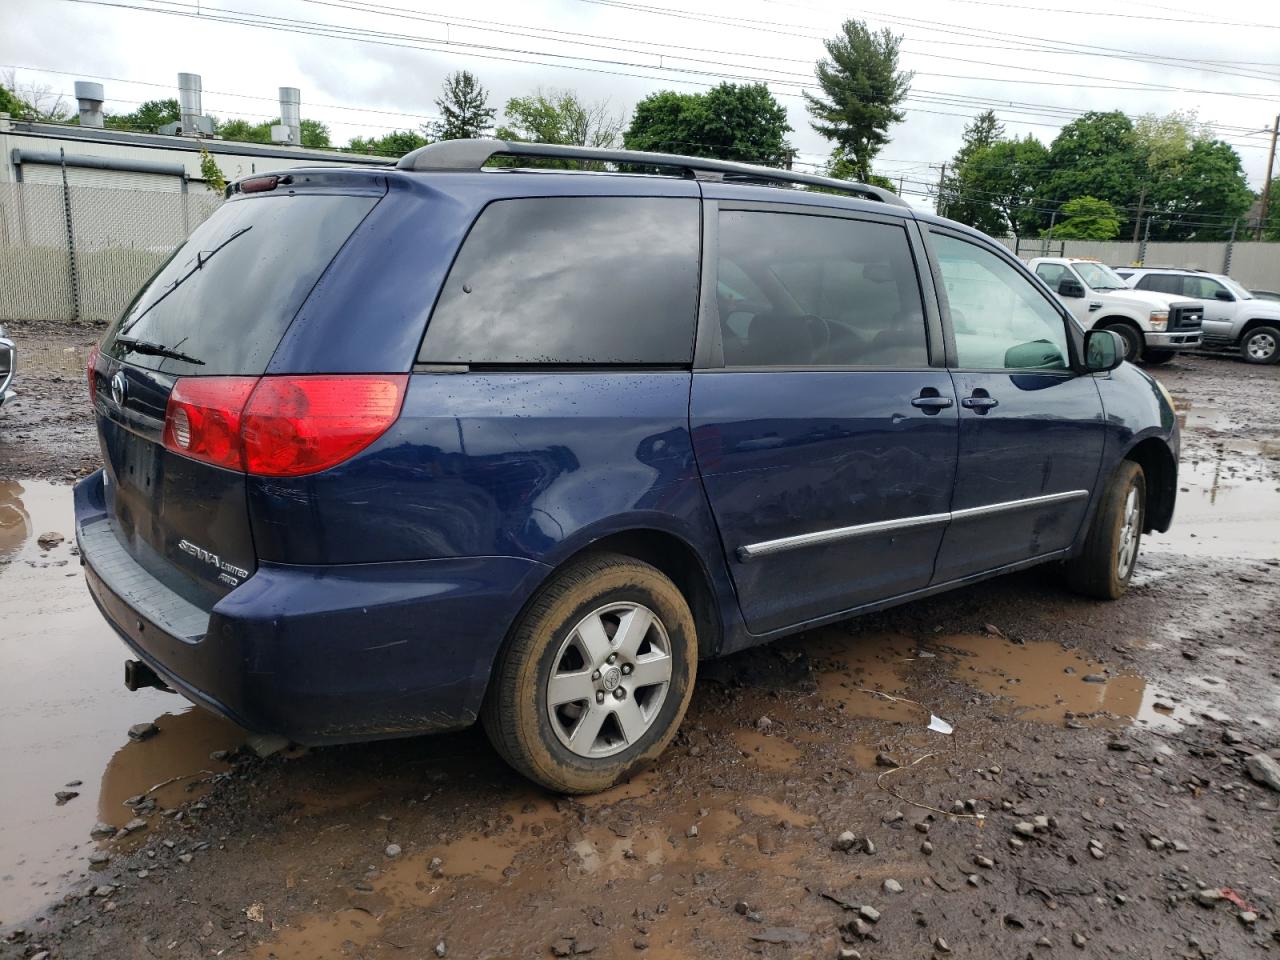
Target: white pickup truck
{"points": [[1154, 326]]}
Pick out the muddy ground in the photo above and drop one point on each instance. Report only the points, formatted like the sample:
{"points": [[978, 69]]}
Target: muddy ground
{"points": [[1093, 799]]}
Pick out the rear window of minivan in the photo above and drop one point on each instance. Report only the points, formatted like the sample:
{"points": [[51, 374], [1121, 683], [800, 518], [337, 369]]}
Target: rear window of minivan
{"points": [[225, 298], [572, 281]]}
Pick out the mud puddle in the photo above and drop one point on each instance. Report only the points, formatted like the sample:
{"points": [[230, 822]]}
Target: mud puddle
{"points": [[1047, 683], [1228, 503], [64, 711]]}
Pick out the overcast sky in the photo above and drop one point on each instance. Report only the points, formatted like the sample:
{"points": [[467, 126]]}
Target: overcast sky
{"points": [[1036, 66]]}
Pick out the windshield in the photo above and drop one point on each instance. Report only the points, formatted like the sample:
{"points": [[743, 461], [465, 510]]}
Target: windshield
{"points": [[1099, 276], [1240, 292]]}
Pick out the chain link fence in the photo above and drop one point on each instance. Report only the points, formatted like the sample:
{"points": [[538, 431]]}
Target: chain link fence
{"points": [[80, 252]]}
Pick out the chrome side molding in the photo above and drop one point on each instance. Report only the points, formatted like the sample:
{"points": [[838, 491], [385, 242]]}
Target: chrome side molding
{"points": [[766, 548]]}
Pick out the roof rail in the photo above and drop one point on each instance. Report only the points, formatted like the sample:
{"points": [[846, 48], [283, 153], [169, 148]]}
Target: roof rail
{"points": [[470, 155]]}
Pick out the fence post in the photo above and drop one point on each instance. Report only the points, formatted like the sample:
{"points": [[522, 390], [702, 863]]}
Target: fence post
{"points": [[1226, 258], [71, 240]]}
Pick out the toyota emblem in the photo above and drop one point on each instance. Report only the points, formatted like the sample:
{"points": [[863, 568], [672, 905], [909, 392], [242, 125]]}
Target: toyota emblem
{"points": [[118, 387]]}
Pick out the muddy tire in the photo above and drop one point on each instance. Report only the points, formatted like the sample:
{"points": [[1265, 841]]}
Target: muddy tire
{"points": [[1261, 345], [1155, 357], [1131, 337], [1105, 566], [595, 677]]}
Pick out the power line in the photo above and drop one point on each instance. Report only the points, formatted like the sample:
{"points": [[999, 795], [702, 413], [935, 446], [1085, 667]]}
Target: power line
{"points": [[1077, 12], [1037, 45], [364, 35]]}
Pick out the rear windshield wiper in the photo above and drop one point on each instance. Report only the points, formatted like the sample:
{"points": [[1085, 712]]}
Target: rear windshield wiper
{"points": [[147, 348], [201, 259]]}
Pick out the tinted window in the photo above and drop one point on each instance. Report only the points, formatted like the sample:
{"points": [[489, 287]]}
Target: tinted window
{"points": [[797, 290], [1052, 274], [1161, 283], [1202, 288], [572, 280], [1001, 321], [227, 295]]}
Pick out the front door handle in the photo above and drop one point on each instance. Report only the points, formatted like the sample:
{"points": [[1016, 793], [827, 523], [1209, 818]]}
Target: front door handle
{"points": [[930, 401], [980, 402]]}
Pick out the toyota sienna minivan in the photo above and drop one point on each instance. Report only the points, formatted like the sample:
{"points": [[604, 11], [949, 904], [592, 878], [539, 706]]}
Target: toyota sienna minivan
{"points": [[392, 451]]}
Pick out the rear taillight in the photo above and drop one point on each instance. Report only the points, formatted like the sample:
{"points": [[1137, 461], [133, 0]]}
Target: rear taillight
{"points": [[92, 371], [297, 425], [202, 420], [280, 426]]}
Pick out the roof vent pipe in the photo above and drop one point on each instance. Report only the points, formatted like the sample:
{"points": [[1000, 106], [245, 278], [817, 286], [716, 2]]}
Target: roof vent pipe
{"points": [[89, 97], [189, 106], [291, 113]]}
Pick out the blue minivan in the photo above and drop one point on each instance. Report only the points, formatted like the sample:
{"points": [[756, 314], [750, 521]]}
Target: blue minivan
{"points": [[389, 451]]}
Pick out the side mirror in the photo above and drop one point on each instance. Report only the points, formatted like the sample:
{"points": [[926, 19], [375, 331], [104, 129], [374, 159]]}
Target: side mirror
{"points": [[1224, 295], [1103, 351], [1069, 287]]}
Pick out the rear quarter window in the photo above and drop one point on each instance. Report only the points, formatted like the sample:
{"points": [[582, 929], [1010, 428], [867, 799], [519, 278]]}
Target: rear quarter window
{"points": [[227, 295], [572, 281]]}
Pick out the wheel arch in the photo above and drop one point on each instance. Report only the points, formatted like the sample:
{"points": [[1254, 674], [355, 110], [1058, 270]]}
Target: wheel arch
{"points": [[1255, 322], [676, 558], [672, 554], [1160, 471], [1115, 319]]}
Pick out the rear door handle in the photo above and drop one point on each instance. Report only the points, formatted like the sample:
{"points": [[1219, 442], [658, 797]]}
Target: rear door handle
{"points": [[930, 401]]}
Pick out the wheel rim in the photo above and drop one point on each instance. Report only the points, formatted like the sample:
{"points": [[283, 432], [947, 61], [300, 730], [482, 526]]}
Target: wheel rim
{"points": [[1261, 346], [1130, 527], [1132, 346], [609, 680]]}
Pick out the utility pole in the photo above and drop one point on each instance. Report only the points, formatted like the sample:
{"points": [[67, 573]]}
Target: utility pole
{"points": [[1266, 185], [1142, 198], [1226, 260], [1142, 250], [941, 206], [1044, 247]]}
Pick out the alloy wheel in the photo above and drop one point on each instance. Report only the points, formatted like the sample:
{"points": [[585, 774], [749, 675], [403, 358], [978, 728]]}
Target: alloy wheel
{"points": [[1127, 551], [1261, 345], [609, 680]]}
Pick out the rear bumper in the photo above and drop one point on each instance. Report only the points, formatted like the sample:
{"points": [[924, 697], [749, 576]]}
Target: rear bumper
{"points": [[1176, 340], [316, 654]]}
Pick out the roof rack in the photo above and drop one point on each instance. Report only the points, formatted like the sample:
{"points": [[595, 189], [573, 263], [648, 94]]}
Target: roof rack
{"points": [[470, 155]]}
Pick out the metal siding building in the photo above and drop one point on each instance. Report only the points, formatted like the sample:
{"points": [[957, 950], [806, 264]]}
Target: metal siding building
{"points": [[25, 148]]}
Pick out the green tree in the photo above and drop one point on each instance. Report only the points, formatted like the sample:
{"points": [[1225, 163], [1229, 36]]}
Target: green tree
{"points": [[1271, 229], [842, 167], [558, 116], [1165, 140], [1209, 192], [464, 108], [731, 121], [34, 101], [394, 144], [315, 134], [242, 131], [1008, 174], [863, 91], [212, 173], [1096, 155], [954, 200], [1086, 218], [10, 104], [150, 116]]}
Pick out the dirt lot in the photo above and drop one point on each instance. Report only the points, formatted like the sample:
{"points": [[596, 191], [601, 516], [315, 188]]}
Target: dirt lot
{"points": [[1093, 799]]}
